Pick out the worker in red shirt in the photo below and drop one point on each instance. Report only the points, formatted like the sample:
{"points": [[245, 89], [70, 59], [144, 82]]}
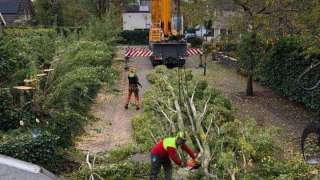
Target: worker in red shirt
{"points": [[165, 150]]}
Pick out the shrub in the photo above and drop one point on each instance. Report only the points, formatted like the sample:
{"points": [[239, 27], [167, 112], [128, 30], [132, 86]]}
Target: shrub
{"points": [[230, 47], [135, 37], [196, 42]]}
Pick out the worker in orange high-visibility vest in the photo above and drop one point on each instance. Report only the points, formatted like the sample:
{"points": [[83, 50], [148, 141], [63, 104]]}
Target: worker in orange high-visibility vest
{"points": [[165, 151]]}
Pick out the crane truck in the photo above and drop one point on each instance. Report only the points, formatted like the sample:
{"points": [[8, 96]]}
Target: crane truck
{"points": [[166, 22]]}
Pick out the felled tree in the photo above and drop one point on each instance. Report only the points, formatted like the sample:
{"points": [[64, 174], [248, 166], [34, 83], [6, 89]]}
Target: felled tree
{"points": [[228, 148], [182, 112]]}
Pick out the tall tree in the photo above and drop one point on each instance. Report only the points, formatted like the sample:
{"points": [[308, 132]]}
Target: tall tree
{"points": [[253, 12], [48, 12]]}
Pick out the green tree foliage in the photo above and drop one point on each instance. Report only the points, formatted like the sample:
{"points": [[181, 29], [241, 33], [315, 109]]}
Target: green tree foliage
{"points": [[49, 12], [32, 50], [99, 29], [75, 12], [249, 56]]}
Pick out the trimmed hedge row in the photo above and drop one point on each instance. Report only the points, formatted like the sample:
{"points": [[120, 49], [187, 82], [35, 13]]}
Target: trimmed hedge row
{"points": [[281, 65], [285, 62]]}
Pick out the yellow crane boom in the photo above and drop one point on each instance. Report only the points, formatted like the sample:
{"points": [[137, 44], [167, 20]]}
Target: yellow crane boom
{"points": [[161, 20]]}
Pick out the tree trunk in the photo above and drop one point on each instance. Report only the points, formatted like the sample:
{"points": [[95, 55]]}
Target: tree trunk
{"points": [[252, 64], [250, 85]]}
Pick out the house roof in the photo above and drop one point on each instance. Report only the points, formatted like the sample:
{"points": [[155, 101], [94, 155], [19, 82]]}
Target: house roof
{"points": [[133, 9], [9, 6]]}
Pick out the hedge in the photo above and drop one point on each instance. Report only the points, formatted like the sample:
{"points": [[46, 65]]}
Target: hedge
{"points": [[286, 60], [136, 37], [39, 150]]}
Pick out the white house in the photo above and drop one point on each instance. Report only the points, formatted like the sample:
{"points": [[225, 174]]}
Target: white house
{"points": [[137, 16], [223, 13]]}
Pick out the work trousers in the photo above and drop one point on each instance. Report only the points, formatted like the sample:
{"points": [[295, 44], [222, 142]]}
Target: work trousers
{"points": [[156, 163], [133, 89]]}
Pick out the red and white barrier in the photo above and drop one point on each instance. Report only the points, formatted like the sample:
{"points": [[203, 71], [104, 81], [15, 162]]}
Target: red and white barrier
{"points": [[194, 51], [145, 52], [138, 52]]}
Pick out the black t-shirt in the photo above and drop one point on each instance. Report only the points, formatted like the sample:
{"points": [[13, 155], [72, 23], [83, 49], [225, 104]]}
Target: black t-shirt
{"points": [[134, 80]]}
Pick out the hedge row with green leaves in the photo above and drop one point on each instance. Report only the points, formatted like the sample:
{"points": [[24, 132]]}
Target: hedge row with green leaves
{"points": [[60, 110], [285, 62], [279, 65], [136, 37]]}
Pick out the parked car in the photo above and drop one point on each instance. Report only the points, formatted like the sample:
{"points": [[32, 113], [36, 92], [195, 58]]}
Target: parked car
{"points": [[189, 36]]}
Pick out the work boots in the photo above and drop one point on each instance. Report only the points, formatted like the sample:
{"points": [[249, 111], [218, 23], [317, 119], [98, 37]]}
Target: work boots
{"points": [[127, 106]]}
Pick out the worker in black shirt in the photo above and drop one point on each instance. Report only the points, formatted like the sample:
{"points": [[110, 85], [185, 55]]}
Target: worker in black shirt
{"points": [[133, 88]]}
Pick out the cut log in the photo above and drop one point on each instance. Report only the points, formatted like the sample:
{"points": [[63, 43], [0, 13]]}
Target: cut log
{"points": [[29, 80], [41, 75], [47, 70], [23, 88]]}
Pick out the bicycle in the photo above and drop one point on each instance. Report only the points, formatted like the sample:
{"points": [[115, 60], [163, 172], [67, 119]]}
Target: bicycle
{"points": [[312, 130]]}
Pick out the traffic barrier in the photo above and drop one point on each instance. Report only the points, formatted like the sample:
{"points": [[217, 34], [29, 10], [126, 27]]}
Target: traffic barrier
{"points": [[145, 52]]}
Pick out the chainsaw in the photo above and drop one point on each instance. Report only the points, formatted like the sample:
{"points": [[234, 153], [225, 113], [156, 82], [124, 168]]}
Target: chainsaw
{"points": [[192, 164]]}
